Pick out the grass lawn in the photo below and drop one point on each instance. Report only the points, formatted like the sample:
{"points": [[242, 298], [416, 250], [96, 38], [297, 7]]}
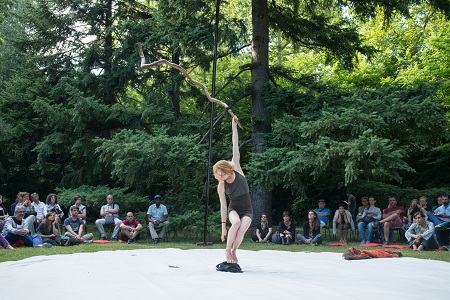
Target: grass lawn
{"points": [[24, 252]]}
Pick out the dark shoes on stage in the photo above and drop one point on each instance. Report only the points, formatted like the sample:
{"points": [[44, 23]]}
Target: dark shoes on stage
{"points": [[227, 267]]}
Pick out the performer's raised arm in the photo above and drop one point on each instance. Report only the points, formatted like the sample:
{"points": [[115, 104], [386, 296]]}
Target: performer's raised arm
{"points": [[235, 139]]}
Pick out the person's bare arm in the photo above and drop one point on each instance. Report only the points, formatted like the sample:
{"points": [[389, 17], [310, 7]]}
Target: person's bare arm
{"points": [[223, 208], [235, 139]]}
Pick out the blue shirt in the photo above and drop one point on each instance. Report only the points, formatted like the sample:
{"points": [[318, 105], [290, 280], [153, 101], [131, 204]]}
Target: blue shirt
{"points": [[157, 213], [323, 210], [75, 224]]}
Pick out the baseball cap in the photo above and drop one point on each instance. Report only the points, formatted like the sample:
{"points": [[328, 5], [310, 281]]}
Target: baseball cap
{"points": [[157, 196]]}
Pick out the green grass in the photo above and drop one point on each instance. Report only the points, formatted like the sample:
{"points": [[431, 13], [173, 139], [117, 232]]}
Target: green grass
{"points": [[25, 252]]}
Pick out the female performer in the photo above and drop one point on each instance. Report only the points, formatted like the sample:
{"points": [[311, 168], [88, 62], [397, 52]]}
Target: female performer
{"points": [[233, 183]]}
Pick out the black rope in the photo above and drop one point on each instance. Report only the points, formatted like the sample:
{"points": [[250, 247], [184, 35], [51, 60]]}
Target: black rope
{"points": [[211, 121]]}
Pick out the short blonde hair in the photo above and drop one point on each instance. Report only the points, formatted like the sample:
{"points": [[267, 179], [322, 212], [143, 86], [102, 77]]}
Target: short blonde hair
{"points": [[225, 166]]}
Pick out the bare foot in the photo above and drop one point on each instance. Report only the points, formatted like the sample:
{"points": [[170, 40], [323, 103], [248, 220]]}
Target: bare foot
{"points": [[233, 254], [229, 257]]}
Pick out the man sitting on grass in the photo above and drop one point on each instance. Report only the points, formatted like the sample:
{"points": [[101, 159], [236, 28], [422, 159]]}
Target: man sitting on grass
{"points": [[17, 228], [130, 229], [74, 228]]}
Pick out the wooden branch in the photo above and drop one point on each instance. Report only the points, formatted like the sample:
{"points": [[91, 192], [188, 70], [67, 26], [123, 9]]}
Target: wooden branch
{"points": [[157, 63]]}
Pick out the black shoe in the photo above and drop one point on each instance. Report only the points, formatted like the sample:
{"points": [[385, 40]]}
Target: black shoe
{"points": [[103, 238], [155, 241]]}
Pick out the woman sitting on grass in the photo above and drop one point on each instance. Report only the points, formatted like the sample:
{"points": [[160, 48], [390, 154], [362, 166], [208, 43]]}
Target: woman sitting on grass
{"points": [[311, 230], [420, 235], [48, 231]]}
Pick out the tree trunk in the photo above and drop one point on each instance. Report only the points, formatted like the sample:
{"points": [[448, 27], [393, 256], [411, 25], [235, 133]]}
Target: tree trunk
{"points": [[261, 197]]}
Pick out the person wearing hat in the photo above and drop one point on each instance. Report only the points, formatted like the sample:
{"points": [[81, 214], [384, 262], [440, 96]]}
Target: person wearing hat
{"points": [[157, 218], [322, 212]]}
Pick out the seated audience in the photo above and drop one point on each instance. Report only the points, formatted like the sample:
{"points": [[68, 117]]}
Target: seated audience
{"points": [[369, 217], [322, 212], [38, 207], [286, 230], [17, 228], [82, 211], [408, 219], [48, 231], [263, 231], [365, 204], [343, 221], [52, 205], [157, 218], [130, 229], [311, 230], [110, 216], [74, 229], [420, 235], [392, 218]]}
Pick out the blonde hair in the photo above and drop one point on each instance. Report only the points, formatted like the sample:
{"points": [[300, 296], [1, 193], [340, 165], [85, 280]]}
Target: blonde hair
{"points": [[225, 166]]}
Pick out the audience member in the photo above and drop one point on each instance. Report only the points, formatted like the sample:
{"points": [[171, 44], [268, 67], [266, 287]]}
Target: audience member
{"points": [[82, 211], [38, 207], [263, 231], [439, 216], [110, 216], [408, 219], [364, 205], [423, 206], [420, 235], [157, 218], [392, 218], [130, 229], [48, 231], [4, 243], [311, 230], [343, 221], [17, 228], [74, 229], [286, 230], [23, 199], [351, 204], [322, 212], [369, 217], [438, 203], [51, 204], [3, 213]]}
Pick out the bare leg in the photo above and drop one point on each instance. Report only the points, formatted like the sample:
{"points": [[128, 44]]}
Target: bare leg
{"points": [[387, 231], [231, 236], [414, 246], [235, 235], [420, 248], [245, 224]]}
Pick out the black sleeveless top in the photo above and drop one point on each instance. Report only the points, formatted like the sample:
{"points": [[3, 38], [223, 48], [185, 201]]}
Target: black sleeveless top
{"points": [[239, 194]]}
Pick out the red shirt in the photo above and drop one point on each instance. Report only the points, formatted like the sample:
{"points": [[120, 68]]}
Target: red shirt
{"points": [[391, 209], [133, 224]]}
